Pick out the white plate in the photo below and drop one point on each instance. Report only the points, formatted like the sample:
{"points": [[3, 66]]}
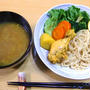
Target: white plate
{"points": [[62, 71]]}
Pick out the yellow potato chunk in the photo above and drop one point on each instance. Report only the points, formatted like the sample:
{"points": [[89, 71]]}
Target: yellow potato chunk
{"points": [[46, 41], [89, 25]]}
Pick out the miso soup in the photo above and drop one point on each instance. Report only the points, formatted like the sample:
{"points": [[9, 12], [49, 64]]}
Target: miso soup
{"points": [[14, 41]]}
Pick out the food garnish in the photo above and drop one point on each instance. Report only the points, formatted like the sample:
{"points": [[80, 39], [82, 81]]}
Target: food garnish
{"points": [[61, 29]]}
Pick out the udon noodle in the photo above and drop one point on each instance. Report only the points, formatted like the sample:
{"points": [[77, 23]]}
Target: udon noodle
{"points": [[79, 51]]}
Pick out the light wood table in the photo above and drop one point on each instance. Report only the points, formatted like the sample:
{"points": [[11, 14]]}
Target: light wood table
{"points": [[35, 70]]}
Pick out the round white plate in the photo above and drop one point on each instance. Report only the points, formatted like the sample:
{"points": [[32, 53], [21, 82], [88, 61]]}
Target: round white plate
{"points": [[62, 71]]}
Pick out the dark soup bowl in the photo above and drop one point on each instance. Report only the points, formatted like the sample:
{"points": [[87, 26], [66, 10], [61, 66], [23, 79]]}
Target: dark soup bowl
{"points": [[14, 47]]}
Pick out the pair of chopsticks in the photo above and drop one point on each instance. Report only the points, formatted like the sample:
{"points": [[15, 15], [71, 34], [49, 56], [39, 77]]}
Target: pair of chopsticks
{"points": [[52, 85]]}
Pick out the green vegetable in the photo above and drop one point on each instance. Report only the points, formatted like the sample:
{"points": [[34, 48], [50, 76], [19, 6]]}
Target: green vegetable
{"points": [[78, 19], [55, 16], [73, 13], [49, 26]]}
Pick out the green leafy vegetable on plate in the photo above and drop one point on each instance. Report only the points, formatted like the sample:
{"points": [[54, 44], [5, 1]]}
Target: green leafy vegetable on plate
{"points": [[78, 19]]}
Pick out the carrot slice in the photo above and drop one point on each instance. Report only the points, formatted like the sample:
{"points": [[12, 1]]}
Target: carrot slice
{"points": [[61, 29], [66, 25], [58, 33]]}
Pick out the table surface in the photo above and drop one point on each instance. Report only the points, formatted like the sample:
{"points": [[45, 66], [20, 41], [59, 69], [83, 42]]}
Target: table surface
{"points": [[35, 70]]}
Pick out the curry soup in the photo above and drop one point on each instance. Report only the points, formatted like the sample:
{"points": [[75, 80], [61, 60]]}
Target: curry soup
{"points": [[13, 42]]}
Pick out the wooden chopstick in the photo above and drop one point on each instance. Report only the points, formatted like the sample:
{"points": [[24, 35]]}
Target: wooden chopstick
{"points": [[52, 84]]}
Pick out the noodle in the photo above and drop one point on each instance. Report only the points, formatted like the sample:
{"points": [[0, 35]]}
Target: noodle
{"points": [[79, 51]]}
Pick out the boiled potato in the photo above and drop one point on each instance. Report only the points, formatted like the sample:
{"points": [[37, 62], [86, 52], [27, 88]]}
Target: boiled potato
{"points": [[46, 41]]}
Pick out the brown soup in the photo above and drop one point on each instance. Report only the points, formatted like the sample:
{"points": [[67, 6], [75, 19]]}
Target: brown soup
{"points": [[13, 42]]}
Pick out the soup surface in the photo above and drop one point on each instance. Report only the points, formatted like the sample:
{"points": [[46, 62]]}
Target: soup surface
{"points": [[14, 41]]}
